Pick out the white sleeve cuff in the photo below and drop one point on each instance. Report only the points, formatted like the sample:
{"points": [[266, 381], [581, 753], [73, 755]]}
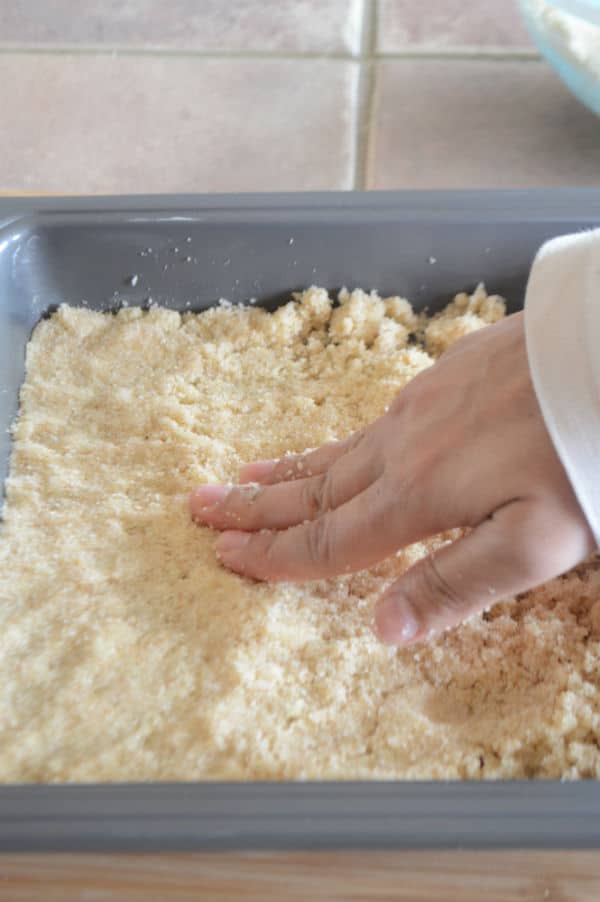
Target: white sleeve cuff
{"points": [[562, 330]]}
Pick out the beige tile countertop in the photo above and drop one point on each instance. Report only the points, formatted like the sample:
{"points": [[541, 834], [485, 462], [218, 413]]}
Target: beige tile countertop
{"points": [[271, 95], [203, 95]]}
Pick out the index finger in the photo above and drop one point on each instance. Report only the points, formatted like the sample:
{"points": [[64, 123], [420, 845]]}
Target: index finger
{"points": [[352, 537]]}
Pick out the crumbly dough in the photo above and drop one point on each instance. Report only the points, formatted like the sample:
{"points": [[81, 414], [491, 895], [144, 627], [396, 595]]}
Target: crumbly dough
{"points": [[128, 653]]}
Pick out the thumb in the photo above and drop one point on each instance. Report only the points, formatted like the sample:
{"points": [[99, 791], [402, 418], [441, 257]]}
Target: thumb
{"points": [[517, 548]]}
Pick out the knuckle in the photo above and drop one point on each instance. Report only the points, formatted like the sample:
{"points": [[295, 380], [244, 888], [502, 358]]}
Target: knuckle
{"points": [[267, 559], [317, 495], [311, 494], [409, 485], [437, 589], [328, 496], [404, 483], [319, 542], [272, 558]]}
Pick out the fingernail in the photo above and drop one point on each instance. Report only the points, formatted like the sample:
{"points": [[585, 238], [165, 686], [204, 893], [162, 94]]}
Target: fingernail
{"points": [[395, 623], [205, 497], [257, 471], [231, 542]]}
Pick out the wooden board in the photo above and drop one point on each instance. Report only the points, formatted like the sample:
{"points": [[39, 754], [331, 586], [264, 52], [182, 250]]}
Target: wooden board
{"points": [[303, 877]]}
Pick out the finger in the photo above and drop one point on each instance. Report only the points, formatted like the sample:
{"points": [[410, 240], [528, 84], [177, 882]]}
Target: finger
{"points": [[513, 551], [298, 466], [252, 507], [350, 538]]}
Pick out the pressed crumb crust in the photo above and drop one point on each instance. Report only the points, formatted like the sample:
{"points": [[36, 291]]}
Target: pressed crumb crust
{"points": [[128, 653]]}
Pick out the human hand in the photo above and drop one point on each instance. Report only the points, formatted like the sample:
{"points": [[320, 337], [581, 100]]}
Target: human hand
{"points": [[463, 445]]}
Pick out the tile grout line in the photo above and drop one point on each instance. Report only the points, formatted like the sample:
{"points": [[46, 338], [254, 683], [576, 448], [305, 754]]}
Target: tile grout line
{"points": [[171, 52], [446, 53], [464, 52], [358, 97], [371, 105], [365, 93]]}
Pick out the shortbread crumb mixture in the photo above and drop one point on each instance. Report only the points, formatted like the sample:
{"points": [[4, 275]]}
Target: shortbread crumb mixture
{"points": [[128, 653]]}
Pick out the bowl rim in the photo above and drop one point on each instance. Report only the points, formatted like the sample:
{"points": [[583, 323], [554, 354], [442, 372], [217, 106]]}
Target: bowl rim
{"points": [[589, 10]]}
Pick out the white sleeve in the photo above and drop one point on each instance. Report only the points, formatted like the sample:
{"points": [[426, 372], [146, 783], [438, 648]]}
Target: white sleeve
{"points": [[562, 330]]}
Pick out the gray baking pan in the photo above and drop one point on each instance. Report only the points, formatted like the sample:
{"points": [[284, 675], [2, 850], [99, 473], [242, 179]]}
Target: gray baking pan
{"points": [[187, 252]]}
